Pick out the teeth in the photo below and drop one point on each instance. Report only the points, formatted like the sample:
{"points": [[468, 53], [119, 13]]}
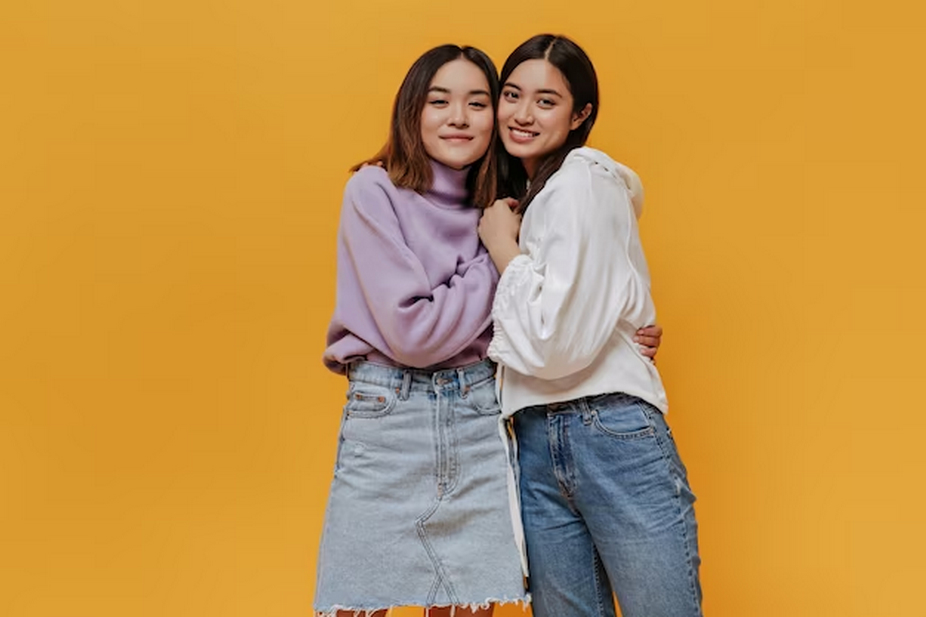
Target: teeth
{"points": [[521, 133]]}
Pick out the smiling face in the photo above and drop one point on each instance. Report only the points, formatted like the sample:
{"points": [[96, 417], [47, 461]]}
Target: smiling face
{"points": [[536, 112], [457, 119]]}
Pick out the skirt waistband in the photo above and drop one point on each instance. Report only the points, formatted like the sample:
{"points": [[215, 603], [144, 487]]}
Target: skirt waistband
{"points": [[461, 378]]}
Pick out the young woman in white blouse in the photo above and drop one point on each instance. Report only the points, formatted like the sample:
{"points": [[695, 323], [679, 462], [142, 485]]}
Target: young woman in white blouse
{"points": [[605, 498]]}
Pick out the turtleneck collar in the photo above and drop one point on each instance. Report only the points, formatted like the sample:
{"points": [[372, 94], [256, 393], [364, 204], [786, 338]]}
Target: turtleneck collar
{"points": [[449, 186]]}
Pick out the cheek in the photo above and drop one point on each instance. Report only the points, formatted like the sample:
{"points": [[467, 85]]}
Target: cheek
{"points": [[429, 126], [504, 112], [484, 126], [429, 137], [559, 120]]}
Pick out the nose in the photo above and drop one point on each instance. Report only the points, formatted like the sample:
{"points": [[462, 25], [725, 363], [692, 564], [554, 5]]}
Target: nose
{"points": [[459, 115], [522, 113]]}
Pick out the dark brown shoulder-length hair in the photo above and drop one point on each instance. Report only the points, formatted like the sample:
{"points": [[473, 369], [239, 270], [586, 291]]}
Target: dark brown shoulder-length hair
{"points": [[580, 76], [404, 156]]}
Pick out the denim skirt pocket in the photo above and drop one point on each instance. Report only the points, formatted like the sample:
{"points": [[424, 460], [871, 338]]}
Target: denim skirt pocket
{"points": [[482, 398], [366, 400]]}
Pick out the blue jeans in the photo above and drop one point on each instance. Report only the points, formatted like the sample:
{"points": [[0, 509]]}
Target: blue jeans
{"points": [[606, 506]]}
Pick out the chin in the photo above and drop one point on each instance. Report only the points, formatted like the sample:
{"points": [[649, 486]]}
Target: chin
{"points": [[520, 151], [452, 163], [461, 162]]}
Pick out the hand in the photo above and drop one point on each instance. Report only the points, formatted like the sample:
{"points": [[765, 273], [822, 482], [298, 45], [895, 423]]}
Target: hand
{"points": [[499, 226], [498, 230], [649, 339]]}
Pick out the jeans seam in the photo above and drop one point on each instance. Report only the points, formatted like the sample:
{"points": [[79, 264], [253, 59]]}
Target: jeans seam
{"points": [[432, 592], [434, 397], [338, 464], [560, 470], [667, 458], [596, 568], [435, 560], [453, 463]]}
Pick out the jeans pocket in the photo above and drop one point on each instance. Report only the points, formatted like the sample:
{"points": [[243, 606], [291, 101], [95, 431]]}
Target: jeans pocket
{"points": [[366, 400], [369, 425], [621, 416], [481, 397]]}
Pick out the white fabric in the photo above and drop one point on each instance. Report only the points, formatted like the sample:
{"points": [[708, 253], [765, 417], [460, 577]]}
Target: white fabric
{"points": [[567, 308]]}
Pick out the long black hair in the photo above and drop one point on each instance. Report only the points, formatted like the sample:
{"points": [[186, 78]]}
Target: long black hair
{"points": [[580, 76]]}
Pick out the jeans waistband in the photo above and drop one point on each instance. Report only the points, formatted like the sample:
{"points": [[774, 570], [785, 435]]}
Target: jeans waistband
{"points": [[459, 378]]}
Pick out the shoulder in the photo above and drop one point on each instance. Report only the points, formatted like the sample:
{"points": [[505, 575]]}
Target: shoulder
{"points": [[370, 190], [370, 179], [583, 170], [587, 170]]}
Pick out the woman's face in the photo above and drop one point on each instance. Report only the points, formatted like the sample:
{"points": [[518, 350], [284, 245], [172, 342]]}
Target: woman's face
{"points": [[535, 113], [457, 119]]}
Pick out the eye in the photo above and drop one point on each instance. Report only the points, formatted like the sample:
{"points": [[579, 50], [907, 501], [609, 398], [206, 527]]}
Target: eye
{"points": [[478, 104], [546, 103], [510, 95], [437, 102]]}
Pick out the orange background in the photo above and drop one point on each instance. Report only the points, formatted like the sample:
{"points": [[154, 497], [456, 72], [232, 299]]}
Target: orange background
{"points": [[170, 179]]}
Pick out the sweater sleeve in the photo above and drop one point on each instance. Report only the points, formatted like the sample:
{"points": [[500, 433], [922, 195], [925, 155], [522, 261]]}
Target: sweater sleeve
{"points": [[557, 307], [420, 322]]}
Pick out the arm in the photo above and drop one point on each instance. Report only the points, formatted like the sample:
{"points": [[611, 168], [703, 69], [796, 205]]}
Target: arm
{"points": [[555, 309], [422, 324], [499, 229]]}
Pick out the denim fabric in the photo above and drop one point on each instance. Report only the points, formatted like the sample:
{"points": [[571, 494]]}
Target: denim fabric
{"points": [[418, 512], [606, 506]]}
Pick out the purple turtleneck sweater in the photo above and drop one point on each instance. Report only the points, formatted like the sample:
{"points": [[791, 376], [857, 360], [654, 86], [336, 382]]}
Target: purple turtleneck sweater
{"points": [[415, 285]]}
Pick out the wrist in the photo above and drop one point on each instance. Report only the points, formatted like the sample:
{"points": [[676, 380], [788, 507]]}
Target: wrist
{"points": [[502, 252]]}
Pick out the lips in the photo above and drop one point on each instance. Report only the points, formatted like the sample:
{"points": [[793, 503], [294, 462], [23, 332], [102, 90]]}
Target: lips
{"points": [[521, 136], [457, 138]]}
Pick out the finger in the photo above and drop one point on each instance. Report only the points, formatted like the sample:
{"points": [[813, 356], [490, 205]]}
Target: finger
{"points": [[646, 341], [654, 330], [649, 352]]}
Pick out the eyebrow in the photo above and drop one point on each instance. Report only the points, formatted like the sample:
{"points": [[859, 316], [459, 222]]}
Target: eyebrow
{"points": [[447, 91], [508, 84]]}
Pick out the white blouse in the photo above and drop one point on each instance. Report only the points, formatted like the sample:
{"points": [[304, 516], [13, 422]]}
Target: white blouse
{"points": [[567, 308]]}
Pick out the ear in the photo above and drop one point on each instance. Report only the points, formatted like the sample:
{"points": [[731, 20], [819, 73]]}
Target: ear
{"points": [[579, 117]]}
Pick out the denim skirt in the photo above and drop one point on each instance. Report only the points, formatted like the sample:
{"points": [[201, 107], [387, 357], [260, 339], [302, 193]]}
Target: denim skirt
{"points": [[418, 513]]}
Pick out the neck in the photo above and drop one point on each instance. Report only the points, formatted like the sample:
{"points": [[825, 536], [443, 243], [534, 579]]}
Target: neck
{"points": [[448, 187], [530, 166]]}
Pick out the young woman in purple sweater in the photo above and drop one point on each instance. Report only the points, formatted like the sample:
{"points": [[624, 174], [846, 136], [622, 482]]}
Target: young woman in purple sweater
{"points": [[418, 509], [418, 512]]}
